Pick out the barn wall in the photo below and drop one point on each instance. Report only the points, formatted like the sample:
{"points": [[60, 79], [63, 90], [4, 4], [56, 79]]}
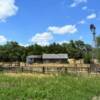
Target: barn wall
{"points": [[54, 60]]}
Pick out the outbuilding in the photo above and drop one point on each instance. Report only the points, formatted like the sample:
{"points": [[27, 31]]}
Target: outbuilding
{"points": [[34, 59], [55, 58], [47, 58]]}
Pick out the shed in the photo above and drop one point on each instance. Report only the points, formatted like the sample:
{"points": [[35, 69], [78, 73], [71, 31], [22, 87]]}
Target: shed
{"points": [[55, 58], [34, 59]]}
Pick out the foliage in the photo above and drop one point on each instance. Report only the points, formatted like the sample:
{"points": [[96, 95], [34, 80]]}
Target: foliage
{"points": [[98, 48], [87, 58], [62, 87], [12, 51], [98, 54], [98, 41]]}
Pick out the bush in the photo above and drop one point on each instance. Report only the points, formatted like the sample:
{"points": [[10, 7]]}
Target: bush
{"points": [[87, 58], [98, 54]]}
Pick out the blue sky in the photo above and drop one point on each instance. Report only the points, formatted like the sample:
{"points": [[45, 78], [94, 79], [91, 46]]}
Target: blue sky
{"points": [[47, 21]]}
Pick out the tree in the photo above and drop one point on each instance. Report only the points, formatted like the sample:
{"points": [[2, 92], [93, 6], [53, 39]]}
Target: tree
{"points": [[12, 51], [34, 50], [98, 41], [98, 47]]}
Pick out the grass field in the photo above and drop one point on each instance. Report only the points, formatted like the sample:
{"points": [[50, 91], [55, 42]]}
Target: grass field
{"points": [[48, 87]]}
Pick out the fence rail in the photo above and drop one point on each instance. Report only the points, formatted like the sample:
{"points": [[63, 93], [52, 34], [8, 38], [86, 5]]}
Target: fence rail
{"points": [[44, 68]]}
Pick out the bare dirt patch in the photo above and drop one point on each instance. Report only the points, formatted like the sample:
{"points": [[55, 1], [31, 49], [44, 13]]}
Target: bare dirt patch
{"points": [[96, 98]]}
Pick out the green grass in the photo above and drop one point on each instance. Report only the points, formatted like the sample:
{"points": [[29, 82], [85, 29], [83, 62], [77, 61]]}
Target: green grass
{"points": [[62, 87]]}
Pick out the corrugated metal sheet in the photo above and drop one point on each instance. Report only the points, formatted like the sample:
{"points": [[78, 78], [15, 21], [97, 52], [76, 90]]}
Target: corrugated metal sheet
{"points": [[34, 56], [55, 56]]}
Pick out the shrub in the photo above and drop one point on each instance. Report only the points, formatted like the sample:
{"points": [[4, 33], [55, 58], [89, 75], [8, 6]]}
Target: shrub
{"points": [[87, 58], [98, 54]]}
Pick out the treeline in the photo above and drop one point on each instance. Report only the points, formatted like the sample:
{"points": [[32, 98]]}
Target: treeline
{"points": [[12, 51]]}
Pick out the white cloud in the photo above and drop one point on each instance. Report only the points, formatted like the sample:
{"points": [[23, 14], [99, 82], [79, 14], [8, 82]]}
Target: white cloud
{"points": [[92, 16], [42, 38], [82, 22], [24, 45], [80, 38], [7, 9], [3, 39], [67, 29], [61, 42], [84, 8], [77, 2]]}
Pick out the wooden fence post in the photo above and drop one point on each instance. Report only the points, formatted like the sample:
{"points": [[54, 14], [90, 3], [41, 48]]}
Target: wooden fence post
{"points": [[66, 70], [22, 69], [43, 70]]}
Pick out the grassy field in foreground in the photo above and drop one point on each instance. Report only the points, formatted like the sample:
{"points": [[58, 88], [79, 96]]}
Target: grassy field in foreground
{"points": [[62, 87]]}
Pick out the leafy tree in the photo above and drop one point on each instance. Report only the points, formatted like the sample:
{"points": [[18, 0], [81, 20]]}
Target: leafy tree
{"points": [[98, 41], [35, 49], [12, 51], [98, 48]]}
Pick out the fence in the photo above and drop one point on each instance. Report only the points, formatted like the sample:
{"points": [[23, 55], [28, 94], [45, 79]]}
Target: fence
{"points": [[45, 68]]}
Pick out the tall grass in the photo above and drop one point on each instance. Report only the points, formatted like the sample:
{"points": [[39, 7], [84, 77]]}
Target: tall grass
{"points": [[61, 87]]}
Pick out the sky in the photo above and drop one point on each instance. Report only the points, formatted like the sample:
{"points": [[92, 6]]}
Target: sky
{"points": [[47, 21]]}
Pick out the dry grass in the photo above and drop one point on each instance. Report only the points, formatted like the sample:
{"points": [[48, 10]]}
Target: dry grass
{"points": [[29, 75], [59, 65]]}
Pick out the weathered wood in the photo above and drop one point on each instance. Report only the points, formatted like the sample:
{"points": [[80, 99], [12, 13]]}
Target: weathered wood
{"points": [[46, 67], [43, 69]]}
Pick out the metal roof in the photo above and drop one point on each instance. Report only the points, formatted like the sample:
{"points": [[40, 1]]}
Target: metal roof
{"points": [[34, 56], [55, 56]]}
